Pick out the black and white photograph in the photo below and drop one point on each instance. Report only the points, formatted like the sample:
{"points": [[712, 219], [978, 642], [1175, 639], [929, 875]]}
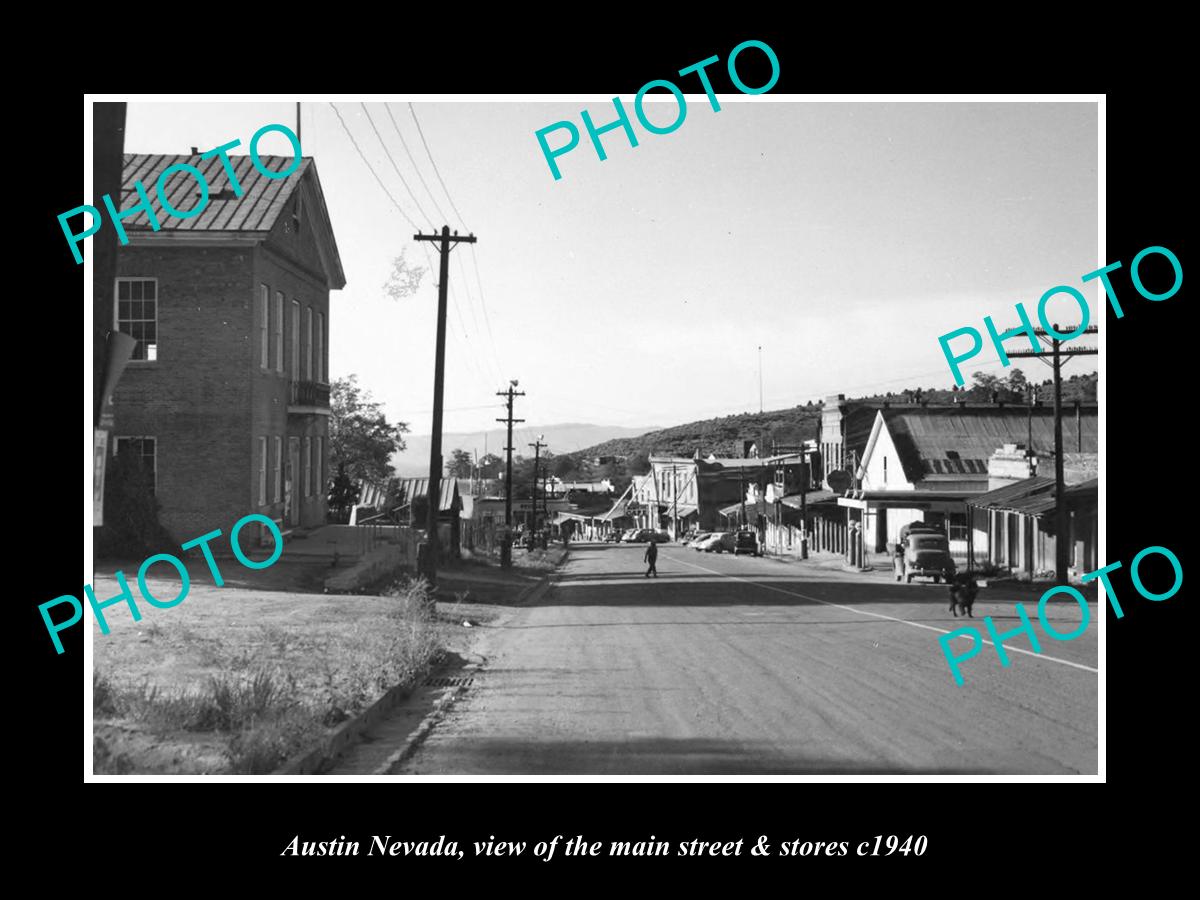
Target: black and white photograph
{"points": [[679, 434]]}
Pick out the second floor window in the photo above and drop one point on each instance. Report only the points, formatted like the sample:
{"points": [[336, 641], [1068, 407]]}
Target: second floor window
{"points": [[277, 332], [137, 314], [264, 312], [308, 344], [295, 367], [321, 367]]}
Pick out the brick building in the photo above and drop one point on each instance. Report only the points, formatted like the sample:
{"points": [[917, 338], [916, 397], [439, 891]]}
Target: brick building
{"points": [[227, 395]]}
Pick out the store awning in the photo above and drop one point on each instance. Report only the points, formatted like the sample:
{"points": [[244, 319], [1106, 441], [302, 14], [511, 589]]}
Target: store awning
{"points": [[682, 509]]}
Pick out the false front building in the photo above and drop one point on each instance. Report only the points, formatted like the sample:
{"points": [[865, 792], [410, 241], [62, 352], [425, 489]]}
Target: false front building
{"points": [[226, 399]]}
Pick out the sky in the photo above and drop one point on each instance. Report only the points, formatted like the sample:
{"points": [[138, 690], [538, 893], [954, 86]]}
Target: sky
{"points": [[841, 238]]}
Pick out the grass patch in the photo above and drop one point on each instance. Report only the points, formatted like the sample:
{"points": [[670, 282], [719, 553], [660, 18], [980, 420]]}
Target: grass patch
{"points": [[256, 706]]}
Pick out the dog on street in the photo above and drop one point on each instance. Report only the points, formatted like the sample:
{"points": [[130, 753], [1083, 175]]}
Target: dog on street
{"points": [[963, 589]]}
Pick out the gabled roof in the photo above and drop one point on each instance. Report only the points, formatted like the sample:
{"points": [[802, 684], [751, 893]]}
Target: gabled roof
{"points": [[253, 214], [940, 441]]}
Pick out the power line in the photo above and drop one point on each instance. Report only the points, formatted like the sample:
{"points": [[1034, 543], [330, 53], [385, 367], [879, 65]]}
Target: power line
{"points": [[396, 168], [482, 303], [416, 168], [399, 208], [467, 291], [461, 220]]}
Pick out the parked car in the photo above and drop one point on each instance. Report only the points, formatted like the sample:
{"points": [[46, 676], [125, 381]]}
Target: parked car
{"points": [[646, 536], [613, 537], [717, 542], [922, 552], [629, 535], [745, 542], [694, 537]]}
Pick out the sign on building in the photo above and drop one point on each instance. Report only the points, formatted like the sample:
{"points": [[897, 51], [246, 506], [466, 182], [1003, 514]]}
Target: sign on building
{"points": [[99, 461]]}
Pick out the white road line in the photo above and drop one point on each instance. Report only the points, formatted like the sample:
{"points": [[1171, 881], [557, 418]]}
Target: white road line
{"points": [[863, 612]]}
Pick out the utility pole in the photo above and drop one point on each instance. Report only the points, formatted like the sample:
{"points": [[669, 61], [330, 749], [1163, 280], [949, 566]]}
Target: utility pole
{"points": [[445, 242], [805, 480], [537, 452], [506, 544], [1058, 359], [674, 503]]}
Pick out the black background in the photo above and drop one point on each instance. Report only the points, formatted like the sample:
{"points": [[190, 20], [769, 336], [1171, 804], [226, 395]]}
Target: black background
{"points": [[988, 828]]}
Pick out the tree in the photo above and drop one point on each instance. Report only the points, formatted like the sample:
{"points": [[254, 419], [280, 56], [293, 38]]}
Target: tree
{"points": [[343, 494], [985, 381], [459, 465], [1017, 382], [360, 437], [564, 467], [490, 466], [404, 279], [131, 526]]}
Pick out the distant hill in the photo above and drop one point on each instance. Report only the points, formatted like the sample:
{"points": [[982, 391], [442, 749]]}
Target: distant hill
{"points": [[724, 436], [560, 440]]}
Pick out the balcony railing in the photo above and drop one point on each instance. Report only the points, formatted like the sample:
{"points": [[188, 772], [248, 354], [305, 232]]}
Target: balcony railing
{"points": [[309, 393]]}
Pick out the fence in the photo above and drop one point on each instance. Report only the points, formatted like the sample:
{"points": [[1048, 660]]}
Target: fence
{"points": [[481, 537]]}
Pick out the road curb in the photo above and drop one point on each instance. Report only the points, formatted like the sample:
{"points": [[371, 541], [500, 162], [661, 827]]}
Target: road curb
{"points": [[417, 738], [312, 761]]}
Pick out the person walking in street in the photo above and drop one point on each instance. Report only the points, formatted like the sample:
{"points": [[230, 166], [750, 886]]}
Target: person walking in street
{"points": [[651, 557]]}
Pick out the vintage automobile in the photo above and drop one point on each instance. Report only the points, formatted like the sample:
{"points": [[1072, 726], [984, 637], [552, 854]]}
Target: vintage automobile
{"points": [[646, 536], [717, 542], [923, 550], [745, 541]]}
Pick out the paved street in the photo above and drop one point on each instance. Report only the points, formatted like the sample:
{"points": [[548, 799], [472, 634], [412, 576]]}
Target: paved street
{"points": [[729, 665]]}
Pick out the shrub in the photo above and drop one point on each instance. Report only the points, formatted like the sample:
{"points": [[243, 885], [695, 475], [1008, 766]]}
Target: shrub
{"points": [[131, 526]]}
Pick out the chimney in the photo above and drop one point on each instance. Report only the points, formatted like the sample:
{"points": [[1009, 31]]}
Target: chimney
{"points": [[195, 151]]}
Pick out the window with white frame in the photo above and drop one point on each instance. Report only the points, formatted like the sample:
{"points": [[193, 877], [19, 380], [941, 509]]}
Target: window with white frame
{"points": [[956, 526], [308, 344], [145, 450], [262, 471], [278, 468], [136, 314], [277, 331], [295, 366], [264, 334], [321, 347], [308, 467]]}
